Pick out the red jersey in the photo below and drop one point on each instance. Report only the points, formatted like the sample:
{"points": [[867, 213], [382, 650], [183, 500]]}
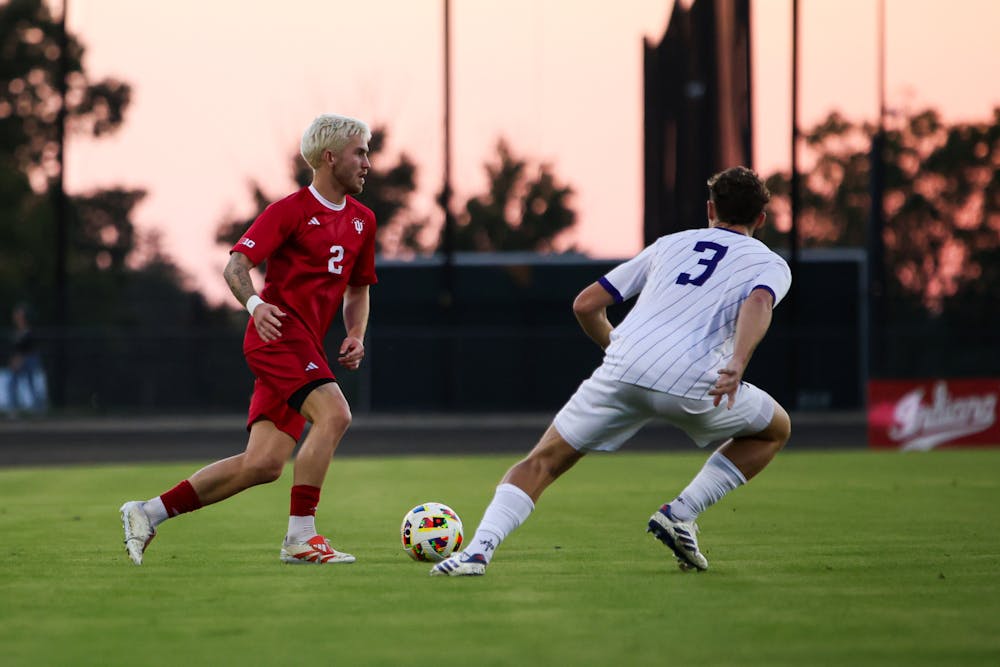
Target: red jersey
{"points": [[314, 250]]}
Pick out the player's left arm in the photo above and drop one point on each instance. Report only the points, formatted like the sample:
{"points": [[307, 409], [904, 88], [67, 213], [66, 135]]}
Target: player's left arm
{"points": [[356, 306], [752, 323], [591, 310]]}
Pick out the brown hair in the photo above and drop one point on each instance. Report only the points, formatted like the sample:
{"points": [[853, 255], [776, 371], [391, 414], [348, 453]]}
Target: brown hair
{"points": [[739, 195]]}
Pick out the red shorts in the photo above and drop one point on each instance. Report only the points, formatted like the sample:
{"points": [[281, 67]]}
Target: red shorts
{"points": [[281, 369]]}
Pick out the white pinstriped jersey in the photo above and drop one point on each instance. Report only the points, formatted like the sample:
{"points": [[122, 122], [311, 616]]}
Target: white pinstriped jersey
{"points": [[690, 284]]}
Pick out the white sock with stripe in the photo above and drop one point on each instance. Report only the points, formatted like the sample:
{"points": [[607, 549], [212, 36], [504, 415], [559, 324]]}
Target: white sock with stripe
{"points": [[508, 510], [717, 477]]}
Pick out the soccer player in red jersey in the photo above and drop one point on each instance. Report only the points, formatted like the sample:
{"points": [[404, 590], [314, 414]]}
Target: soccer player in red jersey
{"points": [[319, 244]]}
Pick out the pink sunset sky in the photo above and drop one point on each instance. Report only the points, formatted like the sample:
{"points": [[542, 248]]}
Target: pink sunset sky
{"points": [[222, 91]]}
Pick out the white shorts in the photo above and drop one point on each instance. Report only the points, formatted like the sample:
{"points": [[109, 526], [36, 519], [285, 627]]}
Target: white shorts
{"points": [[604, 413]]}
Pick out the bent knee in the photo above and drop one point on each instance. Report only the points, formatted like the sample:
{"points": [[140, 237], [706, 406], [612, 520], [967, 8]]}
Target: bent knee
{"points": [[336, 420], [264, 470], [781, 427]]}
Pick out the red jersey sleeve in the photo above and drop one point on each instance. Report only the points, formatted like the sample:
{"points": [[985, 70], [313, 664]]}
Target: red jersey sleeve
{"points": [[266, 234]]}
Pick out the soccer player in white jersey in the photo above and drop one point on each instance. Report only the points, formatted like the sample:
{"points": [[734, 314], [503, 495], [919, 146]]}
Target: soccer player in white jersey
{"points": [[704, 303]]}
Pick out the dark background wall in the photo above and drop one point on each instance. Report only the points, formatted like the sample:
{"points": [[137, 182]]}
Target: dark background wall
{"points": [[511, 342], [506, 341]]}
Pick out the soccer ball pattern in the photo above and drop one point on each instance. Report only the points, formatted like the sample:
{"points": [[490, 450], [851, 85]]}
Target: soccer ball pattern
{"points": [[431, 532]]}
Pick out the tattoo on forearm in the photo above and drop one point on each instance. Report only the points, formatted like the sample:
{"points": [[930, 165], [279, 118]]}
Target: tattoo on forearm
{"points": [[237, 276]]}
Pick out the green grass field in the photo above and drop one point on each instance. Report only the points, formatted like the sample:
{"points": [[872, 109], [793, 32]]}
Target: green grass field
{"points": [[839, 558]]}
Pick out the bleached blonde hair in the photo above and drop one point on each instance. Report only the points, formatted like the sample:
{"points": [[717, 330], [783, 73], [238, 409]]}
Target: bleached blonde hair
{"points": [[330, 132]]}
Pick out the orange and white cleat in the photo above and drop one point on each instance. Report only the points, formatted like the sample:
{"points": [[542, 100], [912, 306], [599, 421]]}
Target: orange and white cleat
{"points": [[317, 551]]}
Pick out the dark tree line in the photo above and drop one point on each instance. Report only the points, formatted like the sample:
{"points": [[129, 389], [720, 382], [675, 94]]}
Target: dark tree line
{"points": [[387, 191], [941, 207], [115, 276], [521, 211], [524, 209]]}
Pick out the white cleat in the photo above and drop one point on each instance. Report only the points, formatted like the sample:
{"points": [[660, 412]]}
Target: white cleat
{"points": [[461, 565], [679, 537], [139, 531], [317, 551]]}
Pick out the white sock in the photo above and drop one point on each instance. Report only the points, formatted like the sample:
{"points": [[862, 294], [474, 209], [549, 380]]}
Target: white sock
{"points": [[300, 529], [508, 510], [155, 510], [717, 477]]}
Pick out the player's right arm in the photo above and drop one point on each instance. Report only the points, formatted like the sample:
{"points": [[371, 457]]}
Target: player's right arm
{"points": [[265, 315], [591, 310], [621, 283], [752, 323]]}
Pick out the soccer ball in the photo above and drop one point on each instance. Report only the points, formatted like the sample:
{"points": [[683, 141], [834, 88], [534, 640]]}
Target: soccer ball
{"points": [[431, 532]]}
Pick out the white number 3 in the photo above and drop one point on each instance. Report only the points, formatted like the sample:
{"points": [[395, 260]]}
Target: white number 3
{"points": [[334, 266]]}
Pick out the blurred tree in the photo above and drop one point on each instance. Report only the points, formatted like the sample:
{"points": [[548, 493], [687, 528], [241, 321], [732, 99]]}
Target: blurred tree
{"points": [[29, 97], [519, 212], [386, 192], [942, 205], [107, 259], [120, 277], [30, 40]]}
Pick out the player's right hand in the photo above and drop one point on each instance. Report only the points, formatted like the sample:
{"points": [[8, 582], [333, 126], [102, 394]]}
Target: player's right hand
{"points": [[266, 319]]}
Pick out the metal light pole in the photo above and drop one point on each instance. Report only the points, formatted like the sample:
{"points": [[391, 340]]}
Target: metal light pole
{"points": [[448, 235], [793, 195], [61, 210], [447, 299], [876, 221]]}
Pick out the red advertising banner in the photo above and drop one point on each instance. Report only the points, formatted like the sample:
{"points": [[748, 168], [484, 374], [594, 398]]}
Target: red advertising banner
{"points": [[924, 414]]}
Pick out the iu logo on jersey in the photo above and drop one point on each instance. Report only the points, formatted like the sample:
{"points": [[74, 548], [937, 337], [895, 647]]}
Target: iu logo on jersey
{"points": [[359, 224]]}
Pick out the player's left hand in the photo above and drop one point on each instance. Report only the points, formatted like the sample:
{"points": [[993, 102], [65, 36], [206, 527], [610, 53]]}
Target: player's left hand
{"points": [[727, 385], [352, 351]]}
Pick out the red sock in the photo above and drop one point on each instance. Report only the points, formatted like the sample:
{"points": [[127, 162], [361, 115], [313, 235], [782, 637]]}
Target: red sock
{"points": [[305, 499], [180, 499]]}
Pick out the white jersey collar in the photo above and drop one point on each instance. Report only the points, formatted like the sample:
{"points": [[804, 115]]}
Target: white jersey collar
{"points": [[326, 202]]}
